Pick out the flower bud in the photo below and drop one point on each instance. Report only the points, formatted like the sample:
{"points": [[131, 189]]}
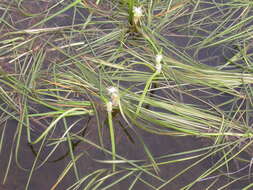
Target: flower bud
{"points": [[109, 106], [138, 13]]}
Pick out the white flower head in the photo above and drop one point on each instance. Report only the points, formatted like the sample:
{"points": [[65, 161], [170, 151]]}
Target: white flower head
{"points": [[138, 13], [112, 90], [158, 58], [114, 93]]}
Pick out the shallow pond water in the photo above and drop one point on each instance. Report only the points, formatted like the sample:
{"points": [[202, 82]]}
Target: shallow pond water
{"points": [[46, 176]]}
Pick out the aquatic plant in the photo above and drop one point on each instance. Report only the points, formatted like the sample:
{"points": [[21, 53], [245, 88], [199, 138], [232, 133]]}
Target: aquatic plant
{"points": [[95, 78]]}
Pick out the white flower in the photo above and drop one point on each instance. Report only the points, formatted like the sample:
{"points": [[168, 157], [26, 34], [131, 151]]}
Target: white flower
{"points": [[114, 93], [158, 58], [112, 90], [138, 13]]}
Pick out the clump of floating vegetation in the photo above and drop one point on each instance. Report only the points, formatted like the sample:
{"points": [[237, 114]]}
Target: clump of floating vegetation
{"points": [[91, 78]]}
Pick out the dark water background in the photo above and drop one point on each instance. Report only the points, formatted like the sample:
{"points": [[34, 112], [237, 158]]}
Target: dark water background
{"points": [[46, 176]]}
